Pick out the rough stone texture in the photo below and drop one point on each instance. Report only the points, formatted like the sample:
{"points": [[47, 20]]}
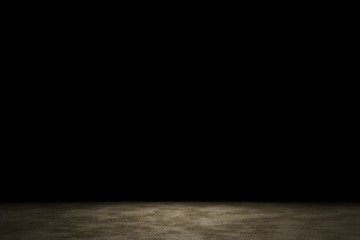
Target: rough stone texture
{"points": [[175, 221]]}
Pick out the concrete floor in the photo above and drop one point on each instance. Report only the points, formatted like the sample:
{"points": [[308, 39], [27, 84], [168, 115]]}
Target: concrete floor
{"points": [[184, 220]]}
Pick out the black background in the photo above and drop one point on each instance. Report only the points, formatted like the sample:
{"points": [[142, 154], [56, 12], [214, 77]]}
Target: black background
{"points": [[210, 109], [134, 148]]}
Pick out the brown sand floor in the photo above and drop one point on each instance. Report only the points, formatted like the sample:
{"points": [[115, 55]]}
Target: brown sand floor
{"points": [[185, 220]]}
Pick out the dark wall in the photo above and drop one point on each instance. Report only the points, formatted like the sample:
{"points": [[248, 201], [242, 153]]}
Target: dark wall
{"points": [[133, 109]]}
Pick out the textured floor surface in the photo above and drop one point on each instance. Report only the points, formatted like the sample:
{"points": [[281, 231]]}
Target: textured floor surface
{"points": [[156, 221]]}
